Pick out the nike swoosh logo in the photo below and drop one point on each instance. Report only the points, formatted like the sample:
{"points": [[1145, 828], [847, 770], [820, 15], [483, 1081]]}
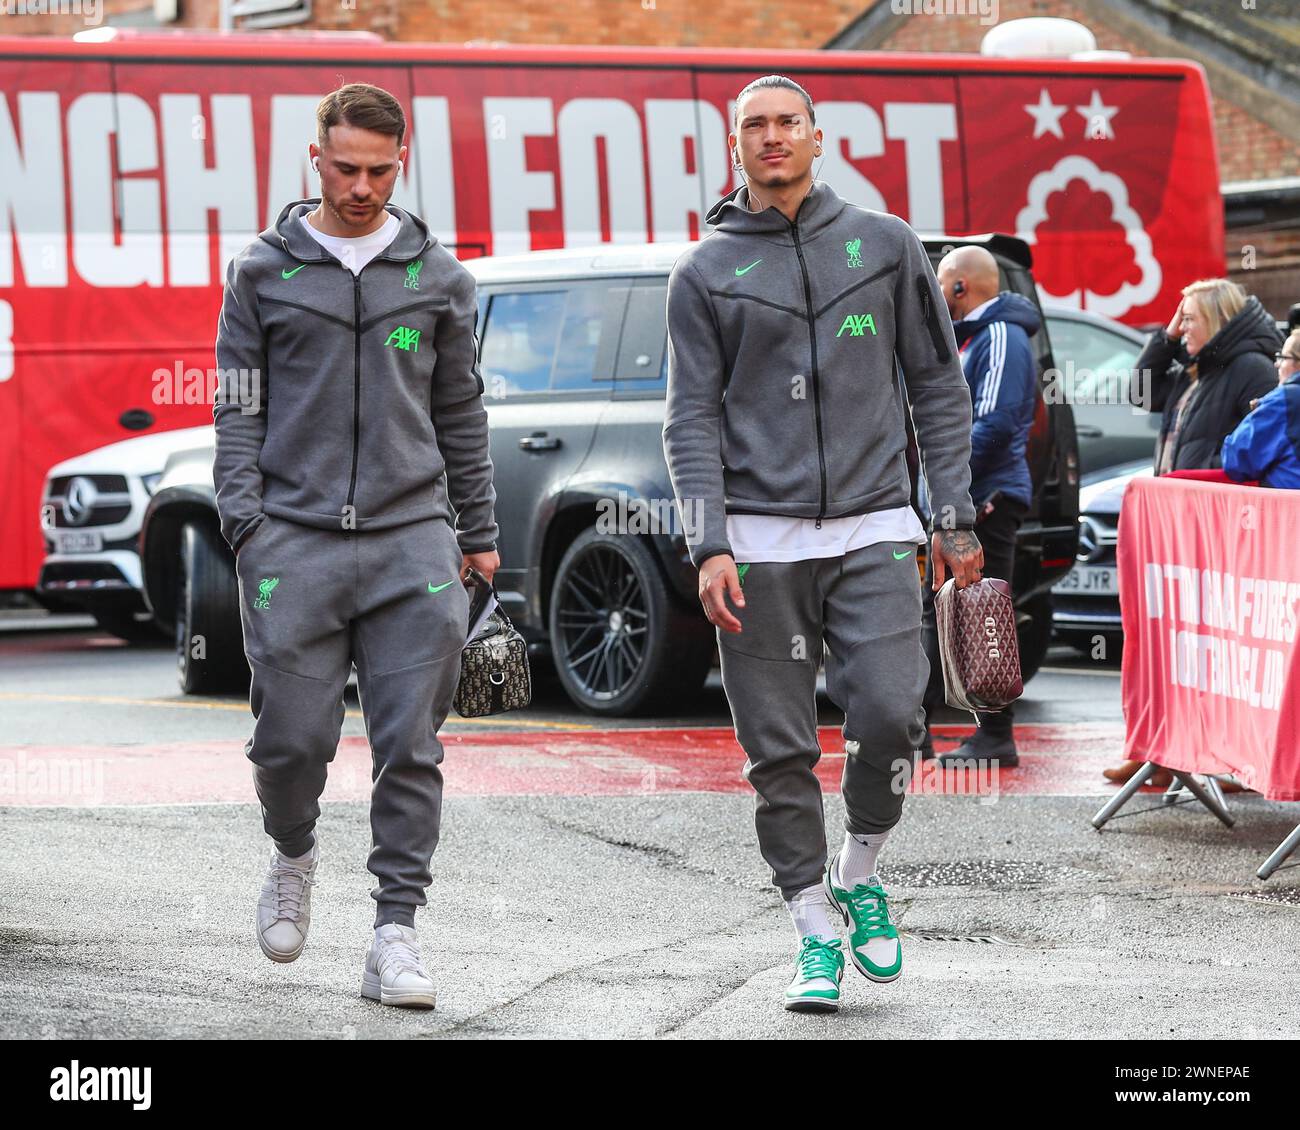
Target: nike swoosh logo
{"points": [[742, 270], [289, 274], [439, 587], [899, 556]]}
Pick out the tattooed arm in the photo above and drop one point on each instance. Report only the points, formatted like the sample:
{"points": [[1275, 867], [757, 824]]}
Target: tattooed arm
{"points": [[959, 551]]}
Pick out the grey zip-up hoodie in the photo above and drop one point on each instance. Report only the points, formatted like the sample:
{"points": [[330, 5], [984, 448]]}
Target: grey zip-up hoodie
{"points": [[369, 408], [782, 397]]}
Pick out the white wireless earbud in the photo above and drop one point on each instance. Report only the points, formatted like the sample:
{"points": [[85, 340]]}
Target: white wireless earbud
{"points": [[315, 163]]}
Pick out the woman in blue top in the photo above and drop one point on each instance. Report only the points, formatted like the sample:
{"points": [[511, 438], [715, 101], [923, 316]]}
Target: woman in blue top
{"points": [[1265, 446]]}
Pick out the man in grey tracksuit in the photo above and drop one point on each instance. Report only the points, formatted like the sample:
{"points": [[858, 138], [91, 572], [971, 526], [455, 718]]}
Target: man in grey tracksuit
{"points": [[785, 406], [353, 485]]}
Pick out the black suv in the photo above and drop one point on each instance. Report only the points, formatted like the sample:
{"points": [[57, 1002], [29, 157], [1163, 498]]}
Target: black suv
{"points": [[594, 571]]}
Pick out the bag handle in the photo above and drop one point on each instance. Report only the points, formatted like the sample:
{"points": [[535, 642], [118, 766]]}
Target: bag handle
{"points": [[499, 610]]}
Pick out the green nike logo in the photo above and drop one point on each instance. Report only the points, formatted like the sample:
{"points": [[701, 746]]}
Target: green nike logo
{"points": [[899, 556], [439, 587], [289, 274], [742, 270]]}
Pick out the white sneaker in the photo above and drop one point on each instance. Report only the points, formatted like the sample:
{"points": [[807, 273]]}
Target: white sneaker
{"points": [[284, 908], [395, 974]]}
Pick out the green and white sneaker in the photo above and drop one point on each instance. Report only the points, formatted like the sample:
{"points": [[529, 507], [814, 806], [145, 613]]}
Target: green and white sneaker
{"points": [[873, 939], [818, 971]]}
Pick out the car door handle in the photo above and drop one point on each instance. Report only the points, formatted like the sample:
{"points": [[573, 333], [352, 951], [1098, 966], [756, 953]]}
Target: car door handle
{"points": [[539, 441], [1088, 431]]}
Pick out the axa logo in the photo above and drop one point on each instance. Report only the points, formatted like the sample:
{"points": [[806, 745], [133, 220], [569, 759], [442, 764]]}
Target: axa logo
{"points": [[404, 338], [857, 325]]}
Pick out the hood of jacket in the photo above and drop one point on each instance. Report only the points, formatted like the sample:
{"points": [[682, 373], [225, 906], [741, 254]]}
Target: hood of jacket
{"points": [[1006, 307], [1251, 331], [817, 210], [413, 237]]}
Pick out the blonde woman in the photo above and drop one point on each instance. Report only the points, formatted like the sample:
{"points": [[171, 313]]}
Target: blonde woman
{"points": [[1205, 367], [1202, 371]]}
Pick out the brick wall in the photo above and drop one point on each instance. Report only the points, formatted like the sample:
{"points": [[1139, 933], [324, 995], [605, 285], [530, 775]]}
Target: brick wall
{"points": [[664, 23]]}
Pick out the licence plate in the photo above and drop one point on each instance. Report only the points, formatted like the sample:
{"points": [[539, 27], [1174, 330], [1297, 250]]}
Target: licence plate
{"points": [[79, 541], [1090, 580]]}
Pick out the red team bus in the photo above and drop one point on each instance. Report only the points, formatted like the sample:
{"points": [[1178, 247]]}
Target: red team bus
{"points": [[132, 169]]}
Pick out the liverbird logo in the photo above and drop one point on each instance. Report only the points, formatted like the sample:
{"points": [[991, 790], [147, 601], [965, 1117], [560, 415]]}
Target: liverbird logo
{"points": [[264, 590], [853, 247], [413, 274]]}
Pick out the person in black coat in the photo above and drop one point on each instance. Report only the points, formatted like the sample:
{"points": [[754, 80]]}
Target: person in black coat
{"points": [[1202, 372]]}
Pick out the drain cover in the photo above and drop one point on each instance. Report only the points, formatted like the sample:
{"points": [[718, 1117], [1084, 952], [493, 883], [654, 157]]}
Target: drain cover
{"points": [[1278, 896], [979, 873]]}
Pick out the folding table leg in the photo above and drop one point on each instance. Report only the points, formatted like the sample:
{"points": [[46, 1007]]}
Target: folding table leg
{"points": [[1201, 793], [1121, 798], [1216, 790], [1285, 848]]}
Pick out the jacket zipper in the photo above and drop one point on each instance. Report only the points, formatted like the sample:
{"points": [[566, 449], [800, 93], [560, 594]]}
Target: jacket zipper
{"points": [[356, 381], [930, 316], [817, 400]]}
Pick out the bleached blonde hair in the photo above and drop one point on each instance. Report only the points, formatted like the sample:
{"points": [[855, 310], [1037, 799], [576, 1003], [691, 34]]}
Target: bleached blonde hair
{"points": [[1220, 300]]}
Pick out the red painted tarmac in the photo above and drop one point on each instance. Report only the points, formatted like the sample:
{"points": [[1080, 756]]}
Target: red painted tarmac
{"points": [[1055, 760]]}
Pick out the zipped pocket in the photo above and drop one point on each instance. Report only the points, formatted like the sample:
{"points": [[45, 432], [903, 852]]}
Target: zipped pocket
{"points": [[423, 304], [931, 316]]}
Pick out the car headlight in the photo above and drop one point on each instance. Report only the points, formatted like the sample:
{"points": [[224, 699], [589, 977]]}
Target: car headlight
{"points": [[151, 481]]}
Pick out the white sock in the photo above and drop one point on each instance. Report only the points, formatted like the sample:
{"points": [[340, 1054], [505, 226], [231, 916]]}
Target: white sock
{"points": [[858, 857], [810, 910]]}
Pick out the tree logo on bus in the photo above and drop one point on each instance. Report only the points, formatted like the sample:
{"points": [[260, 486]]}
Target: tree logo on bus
{"points": [[1031, 226]]}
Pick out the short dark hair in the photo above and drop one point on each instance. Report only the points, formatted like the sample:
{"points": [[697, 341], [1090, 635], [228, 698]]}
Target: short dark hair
{"points": [[362, 106], [774, 81]]}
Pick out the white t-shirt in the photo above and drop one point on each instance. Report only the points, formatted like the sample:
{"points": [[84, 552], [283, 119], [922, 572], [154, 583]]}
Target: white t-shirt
{"points": [[772, 537], [355, 251]]}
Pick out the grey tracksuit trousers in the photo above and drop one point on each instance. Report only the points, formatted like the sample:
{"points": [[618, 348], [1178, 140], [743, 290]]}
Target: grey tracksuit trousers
{"points": [[313, 602], [867, 607]]}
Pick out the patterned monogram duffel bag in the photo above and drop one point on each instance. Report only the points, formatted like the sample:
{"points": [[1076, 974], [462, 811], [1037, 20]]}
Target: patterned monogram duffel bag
{"points": [[977, 644], [494, 673]]}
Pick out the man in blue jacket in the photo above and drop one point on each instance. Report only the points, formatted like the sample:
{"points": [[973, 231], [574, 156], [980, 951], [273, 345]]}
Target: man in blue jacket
{"points": [[1266, 444], [993, 329]]}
